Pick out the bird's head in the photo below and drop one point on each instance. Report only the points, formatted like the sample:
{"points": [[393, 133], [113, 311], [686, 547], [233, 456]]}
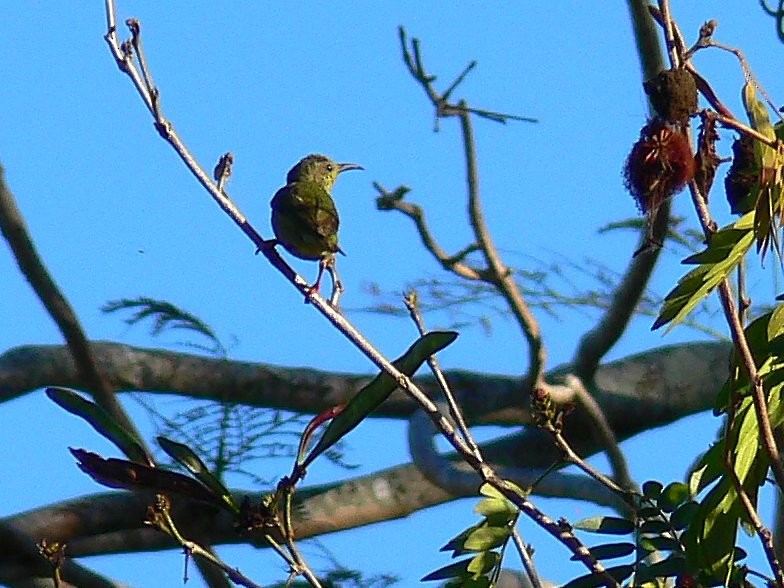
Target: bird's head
{"points": [[320, 169]]}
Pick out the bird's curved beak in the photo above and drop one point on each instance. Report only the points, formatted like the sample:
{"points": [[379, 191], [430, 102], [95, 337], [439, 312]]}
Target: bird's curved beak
{"points": [[348, 166]]}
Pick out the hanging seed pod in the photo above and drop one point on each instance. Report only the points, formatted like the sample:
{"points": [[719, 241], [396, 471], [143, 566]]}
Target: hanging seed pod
{"points": [[742, 176], [659, 165], [673, 94], [706, 160]]}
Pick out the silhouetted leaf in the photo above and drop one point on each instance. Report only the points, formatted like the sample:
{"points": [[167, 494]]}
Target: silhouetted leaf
{"points": [[620, 573], [128, 475], [101, 421], [372, 395], [606, 525], [185, 456]]}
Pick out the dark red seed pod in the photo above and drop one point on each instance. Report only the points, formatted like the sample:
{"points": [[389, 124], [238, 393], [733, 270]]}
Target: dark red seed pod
{"points": [[659, 165], [673, 94]]}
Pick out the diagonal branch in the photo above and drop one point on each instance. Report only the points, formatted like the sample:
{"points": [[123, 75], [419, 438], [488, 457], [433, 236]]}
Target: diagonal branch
{"points": [[14, 229]]}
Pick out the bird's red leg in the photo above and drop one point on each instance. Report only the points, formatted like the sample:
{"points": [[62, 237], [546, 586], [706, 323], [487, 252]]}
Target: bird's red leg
{"points": [[314, 288]]}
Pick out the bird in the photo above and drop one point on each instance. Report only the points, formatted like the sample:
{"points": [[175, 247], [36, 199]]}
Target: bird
{"points": [[304, 217]]}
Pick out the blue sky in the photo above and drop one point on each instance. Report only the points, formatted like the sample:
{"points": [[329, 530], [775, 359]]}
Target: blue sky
{"points": [[114, 214]]}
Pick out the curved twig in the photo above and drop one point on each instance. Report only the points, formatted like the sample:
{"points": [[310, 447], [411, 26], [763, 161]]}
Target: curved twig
{"points": [[454, 263]]}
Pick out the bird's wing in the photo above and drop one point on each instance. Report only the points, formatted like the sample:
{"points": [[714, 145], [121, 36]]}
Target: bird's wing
{"points": [[315, 206], [309, 211]]}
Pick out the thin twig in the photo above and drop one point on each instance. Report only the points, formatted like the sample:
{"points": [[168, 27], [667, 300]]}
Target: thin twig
{"points": [[410, 300], [501, 275], [603, 431], [765, 536], [160, 517], [674, 49], [454, 263], [525, 557]]}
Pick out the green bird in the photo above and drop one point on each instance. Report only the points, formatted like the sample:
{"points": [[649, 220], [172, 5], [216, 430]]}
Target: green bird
{"points": [[304, 217]]}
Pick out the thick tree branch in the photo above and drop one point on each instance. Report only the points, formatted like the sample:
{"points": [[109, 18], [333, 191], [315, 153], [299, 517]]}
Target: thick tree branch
{"points": [[635, 393]]}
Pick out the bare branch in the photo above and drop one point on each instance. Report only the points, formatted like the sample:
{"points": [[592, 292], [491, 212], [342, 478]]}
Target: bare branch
{"points": [[454, 263], [497, 273], [15, 231]]}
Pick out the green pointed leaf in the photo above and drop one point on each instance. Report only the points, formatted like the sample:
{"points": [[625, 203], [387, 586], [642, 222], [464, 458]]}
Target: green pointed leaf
{"points": [[654, 527], [725, 251], [673, 565], [372, 395], [760, 121], [101, 421], [492, 492], [675, 494], [710, 539], [683, 515], [185, 456], [483, 563], [466, 568], [659, 543], [708, 469], [609, 551], [649, 512], [606, 525], [496, 507], [486, 537]]}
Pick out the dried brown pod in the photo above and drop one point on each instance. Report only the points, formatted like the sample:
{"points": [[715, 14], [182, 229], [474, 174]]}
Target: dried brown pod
{"points": [[673, 94], [706, 160], [659, 165], [742, 176]]}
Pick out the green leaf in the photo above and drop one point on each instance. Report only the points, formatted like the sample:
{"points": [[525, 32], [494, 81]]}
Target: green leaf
{"points": [[372, 395], [659, 543], [486, 537], [185, 456], [760, 121], [708, 469], [483, 563], [606, 525], [683, 515], [654, 527], [652, 489], [609, 551], [775, 326], [496, 507], [725, 251], [102, 422], [673, 565], [649, 512], [710, 539], [468, 568], [675, 494]]}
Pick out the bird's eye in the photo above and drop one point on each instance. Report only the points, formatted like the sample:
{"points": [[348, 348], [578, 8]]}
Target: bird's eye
{"points": [[330, 168]]}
